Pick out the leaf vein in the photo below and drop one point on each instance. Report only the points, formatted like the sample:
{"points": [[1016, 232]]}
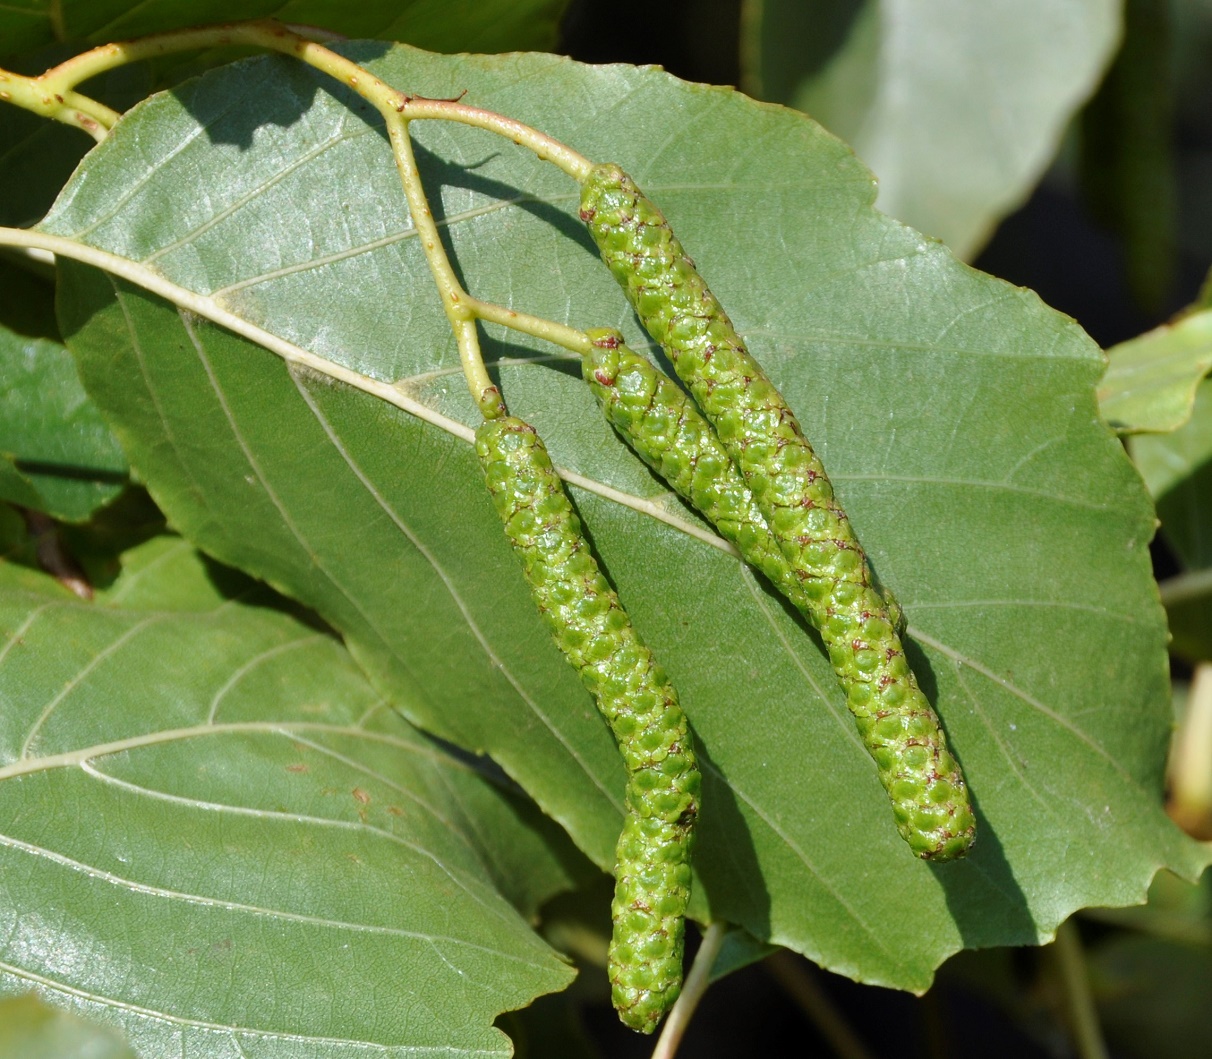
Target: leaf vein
{"points": [[83, 673], [251, 664], [495, 660], [247, 1031], [960, 658], [205, 901], [815, 872], [469, 884]]}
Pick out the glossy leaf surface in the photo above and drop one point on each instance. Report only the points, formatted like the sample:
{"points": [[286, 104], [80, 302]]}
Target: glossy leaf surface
{"points": [[37, 155]]}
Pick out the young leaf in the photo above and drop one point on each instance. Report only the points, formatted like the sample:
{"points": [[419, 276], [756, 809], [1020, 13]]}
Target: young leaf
{"points": [[1177, 468], [1151, 380]]}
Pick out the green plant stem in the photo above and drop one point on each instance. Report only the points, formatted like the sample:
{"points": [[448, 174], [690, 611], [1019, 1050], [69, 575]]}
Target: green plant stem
{"points": [[538, 327], [47, 246], [1075, 986], [692, 992], [53, 93], [454, 298], [57, 103], [304, 44], [799, 982]]}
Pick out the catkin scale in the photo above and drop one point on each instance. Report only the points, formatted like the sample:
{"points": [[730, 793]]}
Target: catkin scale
{"points": [[788, 483], [589, 625]]}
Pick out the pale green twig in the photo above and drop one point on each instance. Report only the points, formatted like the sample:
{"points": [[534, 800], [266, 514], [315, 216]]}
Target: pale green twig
{"points": [[57, 103], [692, 992], [53, 93], [538, 327], [140, 275], [304, 44], [462, 318], [1075, 986]]}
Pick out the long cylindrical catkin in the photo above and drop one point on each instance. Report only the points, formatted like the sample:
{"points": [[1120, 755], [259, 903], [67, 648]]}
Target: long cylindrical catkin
{"points": [[669, 434], [761, 435], [652, 875]]}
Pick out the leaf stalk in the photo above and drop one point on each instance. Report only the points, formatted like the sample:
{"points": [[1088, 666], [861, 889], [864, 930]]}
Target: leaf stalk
{"points": [[1080, 1012], [692, 992]]}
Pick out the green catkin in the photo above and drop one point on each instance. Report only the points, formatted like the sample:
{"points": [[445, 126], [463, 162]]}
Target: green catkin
{"points": [[668, 432], [652, 874], [760, 433]]}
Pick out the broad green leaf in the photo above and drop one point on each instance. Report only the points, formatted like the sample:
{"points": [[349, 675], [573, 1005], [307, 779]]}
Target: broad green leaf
{"points": [[99, 544], [1177, 468], [15, 487], [37, 155], [31, 1029], [218, 838], [958, 107], [487, 25], [56, 454], [956, 414], [1151, 380], [60, 456]]}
